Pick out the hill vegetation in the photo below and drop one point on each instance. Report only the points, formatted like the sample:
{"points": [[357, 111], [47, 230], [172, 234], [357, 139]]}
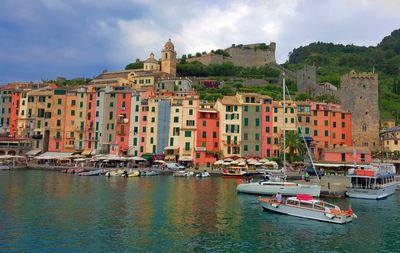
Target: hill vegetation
{"points": [[334, 60]]}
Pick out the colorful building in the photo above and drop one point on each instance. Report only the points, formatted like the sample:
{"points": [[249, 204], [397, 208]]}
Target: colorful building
{"points": [[207, 143], [390, 139]]}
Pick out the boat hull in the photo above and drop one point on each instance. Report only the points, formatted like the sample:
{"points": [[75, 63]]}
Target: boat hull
{"points": [[382, 193], [305, 213], [256, 188]]}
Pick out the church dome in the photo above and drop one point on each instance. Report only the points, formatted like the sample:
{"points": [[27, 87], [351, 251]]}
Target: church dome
{"points": [[169, 45], [151, 59]]}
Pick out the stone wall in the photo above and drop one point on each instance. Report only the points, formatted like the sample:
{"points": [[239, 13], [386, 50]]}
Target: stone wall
{"points": [[305, 78], [358, 93], [245, 56]]}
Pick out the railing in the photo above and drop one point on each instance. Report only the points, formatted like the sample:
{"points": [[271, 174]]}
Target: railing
{"points": [[200, 149]]}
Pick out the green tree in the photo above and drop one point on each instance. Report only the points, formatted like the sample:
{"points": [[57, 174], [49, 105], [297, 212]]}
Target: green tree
{"points": [[294, 145]]}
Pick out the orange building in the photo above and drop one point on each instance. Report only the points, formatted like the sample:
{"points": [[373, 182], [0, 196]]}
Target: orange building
{"points": [[15, 98], [57, 120], [70, 122], [330, 127], [207, 145]]}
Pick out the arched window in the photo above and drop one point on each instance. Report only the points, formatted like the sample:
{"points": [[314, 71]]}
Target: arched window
{"points": [[364, 127]]}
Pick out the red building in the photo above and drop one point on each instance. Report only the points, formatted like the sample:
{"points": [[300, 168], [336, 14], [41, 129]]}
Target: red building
{"points": [[330, 127], [347, 155], [207, 145], [15, 98], [124, 115], [267, 146]]}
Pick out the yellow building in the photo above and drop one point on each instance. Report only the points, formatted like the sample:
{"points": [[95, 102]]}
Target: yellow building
{"points": [[230, 112], [391, 139], [278, 123]]}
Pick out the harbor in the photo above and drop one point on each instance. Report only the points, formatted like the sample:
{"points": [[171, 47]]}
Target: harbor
{"points": [[54, 211]]}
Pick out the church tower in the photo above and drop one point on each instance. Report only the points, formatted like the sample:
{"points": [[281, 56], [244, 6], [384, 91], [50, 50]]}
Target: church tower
{"points": [[168, 58]]}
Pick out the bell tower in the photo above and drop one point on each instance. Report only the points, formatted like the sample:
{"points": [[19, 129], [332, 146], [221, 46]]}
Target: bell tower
{"points": [[168, 58]]}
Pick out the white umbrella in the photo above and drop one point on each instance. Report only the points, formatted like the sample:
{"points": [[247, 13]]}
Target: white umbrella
{"points": [[263, 160], [235, 162], [159, 161], [79, 159], [136, 158], [226, 163], [242, 164], [219, 162], [228, 159], [6, 156]]}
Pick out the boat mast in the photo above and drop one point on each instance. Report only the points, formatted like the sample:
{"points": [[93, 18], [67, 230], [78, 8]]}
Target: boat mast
{"points": [[284, 119]]}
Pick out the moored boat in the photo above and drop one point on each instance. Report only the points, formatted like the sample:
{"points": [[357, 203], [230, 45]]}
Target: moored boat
{"points": [[93, 173], [234, 172], [203, 174], [149, 173], [305, 206], [131, 173], [376, 181], [267, 187]]}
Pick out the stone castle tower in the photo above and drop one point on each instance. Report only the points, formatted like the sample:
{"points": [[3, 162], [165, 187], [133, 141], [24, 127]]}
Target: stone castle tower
{"points": [[168, 58], [358, 93]]}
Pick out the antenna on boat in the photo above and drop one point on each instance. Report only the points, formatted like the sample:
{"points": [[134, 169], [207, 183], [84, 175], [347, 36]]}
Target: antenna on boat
{"points": [[284, 120], [304, 139]]}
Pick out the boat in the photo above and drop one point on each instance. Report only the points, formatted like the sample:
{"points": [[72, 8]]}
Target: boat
{"points": [[93, 172], [149, 173], [234, 172], [115, 173], [182, 173], [376, 181], [270, 187], [203, 174], [131, 173], [305, 206], [4, 166]]}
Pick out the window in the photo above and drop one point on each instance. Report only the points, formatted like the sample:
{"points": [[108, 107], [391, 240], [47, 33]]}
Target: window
{"points": [[257, 137], [187, 145], [267, 118], [204, 134], [315, 122], [111, 104], [257, 122], [197, 155], [153, 109], [190, 111], [257, 108], [269, 140], [299, 119], [326, 133], [315, 132], [275, 110], [257, 148], [334, 124], [325, 113], [246, 121], [111, 115], [343, 157], [214, 134], [188, 134], [59, 112], [72, 112], [343, 136], [246, 136], [59, 101], [267, 129], [246, 108], [190, 102], [326, 123], [275, 129], [343, 124], [275, 140], [204, 123], [58, 122], [275, 119], [267, 109], [307, 119], [245, 148], [73, 102], [292, 120], [176, 119]]}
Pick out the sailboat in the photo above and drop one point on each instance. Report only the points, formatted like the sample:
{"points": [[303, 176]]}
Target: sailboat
{"points": [[270, 187]]}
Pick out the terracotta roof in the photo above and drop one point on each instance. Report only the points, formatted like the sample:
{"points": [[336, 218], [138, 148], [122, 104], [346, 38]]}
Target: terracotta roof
{"points": [[230, 100]]}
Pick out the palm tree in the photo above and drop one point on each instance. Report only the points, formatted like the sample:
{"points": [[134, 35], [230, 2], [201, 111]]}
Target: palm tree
{"points": [[294, 145]]}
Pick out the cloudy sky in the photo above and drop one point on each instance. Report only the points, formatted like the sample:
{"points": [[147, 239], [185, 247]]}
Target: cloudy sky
{"points": [[45, 39]]}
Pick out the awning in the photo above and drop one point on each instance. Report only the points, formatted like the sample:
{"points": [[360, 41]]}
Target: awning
{"points": [[33, 152], [54, 155], [147, 156], [170, 158], [171, 148], [87, 152], [186, 159]]}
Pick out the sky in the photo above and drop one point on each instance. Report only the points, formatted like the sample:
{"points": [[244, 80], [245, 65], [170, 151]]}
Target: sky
{"points": [[46, 39]]}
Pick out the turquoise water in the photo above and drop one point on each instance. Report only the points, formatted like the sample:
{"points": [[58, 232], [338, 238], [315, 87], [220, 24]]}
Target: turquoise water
{"points": [[56, 212]]}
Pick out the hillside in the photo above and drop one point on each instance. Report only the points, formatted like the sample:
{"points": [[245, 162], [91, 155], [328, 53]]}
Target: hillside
{"points": [[333, 60]]}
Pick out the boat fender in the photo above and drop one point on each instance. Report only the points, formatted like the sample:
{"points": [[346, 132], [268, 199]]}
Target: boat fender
{"points": [[330, 216], [275, 205]]}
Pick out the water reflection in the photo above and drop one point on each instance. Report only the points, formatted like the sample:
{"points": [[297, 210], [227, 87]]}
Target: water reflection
{"points": [[51, 211]]}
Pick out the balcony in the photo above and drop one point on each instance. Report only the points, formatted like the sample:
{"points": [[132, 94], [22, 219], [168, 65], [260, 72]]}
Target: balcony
{"points": [[57, 137], [231, 143], [200, 149], [122, 121], [37, 136]]}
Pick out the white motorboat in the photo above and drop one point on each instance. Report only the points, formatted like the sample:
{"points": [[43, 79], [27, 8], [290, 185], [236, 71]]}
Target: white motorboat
{"points": [[203, 174], [285, 188], [376, 181], [305, 206]]}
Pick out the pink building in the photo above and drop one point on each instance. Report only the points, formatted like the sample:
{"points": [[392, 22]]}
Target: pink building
{"points": [[267, 146], [89, 128]]}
